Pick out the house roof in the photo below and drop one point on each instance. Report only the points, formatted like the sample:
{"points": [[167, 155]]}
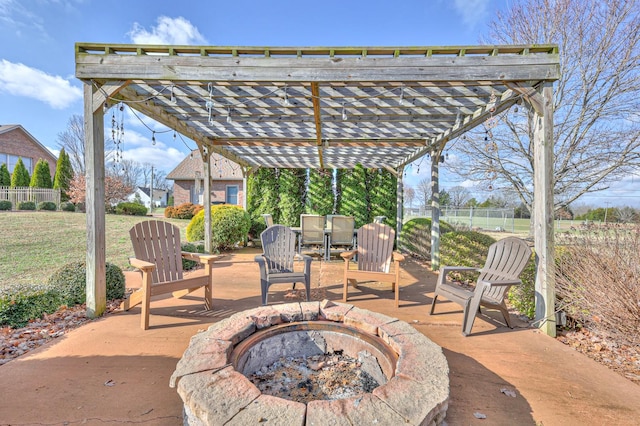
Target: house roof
{"points": [[6, 128], [221, 168]]}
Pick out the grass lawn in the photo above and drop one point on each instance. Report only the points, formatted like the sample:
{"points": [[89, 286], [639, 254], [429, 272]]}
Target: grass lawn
{"points": [[34, 244]]}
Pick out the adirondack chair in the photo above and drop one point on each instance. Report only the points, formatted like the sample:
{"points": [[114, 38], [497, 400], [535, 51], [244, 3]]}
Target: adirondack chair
{"points": [[278, 259], [158, 256], [374, 253], [268, 219], [505, 261]]}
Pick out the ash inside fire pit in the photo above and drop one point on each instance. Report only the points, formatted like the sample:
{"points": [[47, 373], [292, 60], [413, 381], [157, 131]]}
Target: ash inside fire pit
{"points": [[319, 377]]}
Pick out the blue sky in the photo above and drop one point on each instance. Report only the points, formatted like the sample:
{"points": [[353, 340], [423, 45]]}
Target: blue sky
{"points": [[39, 91]]}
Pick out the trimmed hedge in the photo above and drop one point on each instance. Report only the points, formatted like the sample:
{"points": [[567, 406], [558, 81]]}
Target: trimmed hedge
{"points": [[19, 304], [26, 205], [5, 205], [131, 209], [229, 226], [183, 211], [47, 205], [68, 206], [71, 282]]}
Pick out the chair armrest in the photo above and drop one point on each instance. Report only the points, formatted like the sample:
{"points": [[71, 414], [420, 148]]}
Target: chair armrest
{"points": [[348, 255], [307, 261], [446, 269], [206, 259], [397, 257], [501, 283], [143, 265]]}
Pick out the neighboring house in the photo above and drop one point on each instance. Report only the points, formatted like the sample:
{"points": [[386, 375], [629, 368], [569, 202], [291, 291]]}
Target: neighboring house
{"points": [[160, 197], [188, 182], [16, 142]]}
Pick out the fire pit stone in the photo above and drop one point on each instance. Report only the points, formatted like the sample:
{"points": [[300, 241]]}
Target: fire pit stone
{"points": [[213, 392]]}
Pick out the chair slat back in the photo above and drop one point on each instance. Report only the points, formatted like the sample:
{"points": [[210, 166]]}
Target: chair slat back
{"points": [[342, 230], [375, 247], [268, 219], [506, 259], [312, 228], [279, 248], [158, 242]]}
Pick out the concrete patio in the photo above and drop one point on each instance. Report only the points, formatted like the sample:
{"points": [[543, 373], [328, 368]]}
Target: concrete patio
{"points": [[109, 371]]}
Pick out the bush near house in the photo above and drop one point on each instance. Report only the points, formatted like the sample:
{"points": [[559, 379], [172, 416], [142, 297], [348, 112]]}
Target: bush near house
{"points": [[47, 205], [68, 206], [131, 209], [26, 205], [21, 303], [229, 226], [70, 281], [191, 248], [5, 205], [183, 211]]}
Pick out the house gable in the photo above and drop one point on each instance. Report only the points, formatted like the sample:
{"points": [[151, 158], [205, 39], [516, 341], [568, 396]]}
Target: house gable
{"points": [[15, 142]]}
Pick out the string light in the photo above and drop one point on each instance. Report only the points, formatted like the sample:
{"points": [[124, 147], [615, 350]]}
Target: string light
{"points": [[229, 119], [344, 112], [153, 138], [286, 98], [173, 96]]}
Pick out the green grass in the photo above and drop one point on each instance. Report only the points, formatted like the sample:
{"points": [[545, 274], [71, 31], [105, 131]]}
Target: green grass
{"points": [[35, 244]]}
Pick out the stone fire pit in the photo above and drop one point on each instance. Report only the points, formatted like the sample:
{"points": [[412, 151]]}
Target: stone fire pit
{"points": [[211, 380]]}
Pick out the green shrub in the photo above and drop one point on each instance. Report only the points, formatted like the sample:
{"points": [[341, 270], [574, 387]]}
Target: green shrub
{"points": [[131, 209], [47, 205], [229, 226], [464, 248], [26, 205], [71, 282], [523, 297], [191, 248], [19, 304], [67, 207], [5, 205], [415, 236]]}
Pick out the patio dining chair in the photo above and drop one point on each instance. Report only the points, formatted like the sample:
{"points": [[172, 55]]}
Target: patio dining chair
{"points": [[277, 261], [375, 254], [505, 261], [340, 238], [312, 235], [158, 256]]}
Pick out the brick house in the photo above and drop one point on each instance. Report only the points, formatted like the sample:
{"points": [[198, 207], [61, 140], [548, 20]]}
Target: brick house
{"points": [[16, 142], [188, 182]]}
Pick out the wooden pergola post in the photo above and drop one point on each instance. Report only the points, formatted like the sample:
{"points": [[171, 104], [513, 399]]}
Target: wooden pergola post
{"points": [[435, 210], [96, 286], [205, 154]]}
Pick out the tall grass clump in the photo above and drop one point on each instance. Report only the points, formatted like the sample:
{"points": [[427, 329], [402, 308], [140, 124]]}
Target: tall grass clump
{"points": [[598, 280]]}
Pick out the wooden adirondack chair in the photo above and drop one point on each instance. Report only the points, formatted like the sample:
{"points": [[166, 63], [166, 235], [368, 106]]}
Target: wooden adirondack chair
{"points": [[158, 256], [505, 261], [374, 253], [278, 259]]}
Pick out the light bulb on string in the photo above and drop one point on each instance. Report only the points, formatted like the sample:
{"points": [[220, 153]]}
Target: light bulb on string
{"points": [[173, 96], [286, 97], [344, 113], [153, 138], [229, 119]]}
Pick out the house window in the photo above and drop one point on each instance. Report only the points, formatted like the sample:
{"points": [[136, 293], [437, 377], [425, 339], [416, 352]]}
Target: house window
{"points": [[232, 194], [13, 160]]}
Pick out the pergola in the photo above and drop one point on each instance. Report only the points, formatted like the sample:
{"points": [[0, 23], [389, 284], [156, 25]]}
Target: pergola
{"points": [[322, 107]]}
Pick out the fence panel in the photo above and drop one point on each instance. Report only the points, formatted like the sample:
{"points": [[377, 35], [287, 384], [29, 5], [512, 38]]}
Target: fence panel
{"points": [[472, 218], [21, 194]]}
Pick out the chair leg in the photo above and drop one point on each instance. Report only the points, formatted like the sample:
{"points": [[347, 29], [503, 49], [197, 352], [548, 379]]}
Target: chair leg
{"points": [[264, 290], [433, 304], [505, 315], [146, 301]]}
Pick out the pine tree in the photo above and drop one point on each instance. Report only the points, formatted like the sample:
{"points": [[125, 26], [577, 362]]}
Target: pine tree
{"points": [[41, 175], [382, 195], [320, 192], [291, 183], [20, 176], [262, 198], [5, 177], [354, 198], [64, 174]]}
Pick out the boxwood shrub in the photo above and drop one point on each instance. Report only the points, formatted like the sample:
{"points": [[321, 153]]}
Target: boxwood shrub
{"points": [[229, 226], [68, 206], [131, 209], [21, 303], [191, 248], [26, 205], [71, 282], [5, 205], [47, 205]]}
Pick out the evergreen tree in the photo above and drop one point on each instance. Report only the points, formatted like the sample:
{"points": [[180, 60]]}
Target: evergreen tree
{"points": [[41, 175], [64, 174], [291, 183], [262, 198], [320, 192], [354, 198], [382, 194], [5, 177], [20, 176]]}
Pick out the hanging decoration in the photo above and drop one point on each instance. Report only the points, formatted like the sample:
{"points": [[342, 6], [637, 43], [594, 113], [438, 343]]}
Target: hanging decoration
{"points": [[117, 133]]}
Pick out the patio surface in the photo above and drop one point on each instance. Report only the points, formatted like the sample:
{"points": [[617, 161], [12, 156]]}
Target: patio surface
{"points": [[109, 371]]}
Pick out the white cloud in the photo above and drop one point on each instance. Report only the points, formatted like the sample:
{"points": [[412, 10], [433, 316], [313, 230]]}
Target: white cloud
{"points": [[473, 12], [168, 31], [21, 80]]}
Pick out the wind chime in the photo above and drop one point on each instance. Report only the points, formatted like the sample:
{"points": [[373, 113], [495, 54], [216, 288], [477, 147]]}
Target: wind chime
{"points": [[491, 148], [117, 134]]}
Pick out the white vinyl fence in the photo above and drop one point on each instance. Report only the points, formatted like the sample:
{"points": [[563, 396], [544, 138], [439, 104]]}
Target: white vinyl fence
{"points": [[19, 194]]}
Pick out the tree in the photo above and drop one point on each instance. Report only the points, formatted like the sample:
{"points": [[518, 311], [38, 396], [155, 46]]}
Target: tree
{"points": [[5, 177], [320, 197], [423, 192], [262, 198], [63, 176], [72, 140], [129, 171], [354, 197], [291, 183], [459, 196], [595, 142], [627, 215], [409, 195], [20, 176], [383, 186], [41, 175], [115, 190]]}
